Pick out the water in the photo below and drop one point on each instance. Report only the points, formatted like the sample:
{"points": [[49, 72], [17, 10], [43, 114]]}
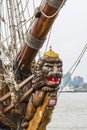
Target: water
{"points": [[70, 112]]}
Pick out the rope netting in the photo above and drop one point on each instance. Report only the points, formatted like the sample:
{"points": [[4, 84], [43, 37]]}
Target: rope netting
{"points": [[15, 20]]}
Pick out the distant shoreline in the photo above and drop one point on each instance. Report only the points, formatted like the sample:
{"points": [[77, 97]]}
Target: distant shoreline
{"points": [[72, 91]]}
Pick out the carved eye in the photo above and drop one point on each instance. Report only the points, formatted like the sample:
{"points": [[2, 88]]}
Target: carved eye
{"points": [[60, 69], [50, 68]]}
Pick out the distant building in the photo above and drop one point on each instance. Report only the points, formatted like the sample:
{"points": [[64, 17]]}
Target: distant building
{"points": [[78, 81]]}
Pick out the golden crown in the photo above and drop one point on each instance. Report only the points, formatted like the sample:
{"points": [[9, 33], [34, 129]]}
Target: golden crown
{"points": [[51, 54]]}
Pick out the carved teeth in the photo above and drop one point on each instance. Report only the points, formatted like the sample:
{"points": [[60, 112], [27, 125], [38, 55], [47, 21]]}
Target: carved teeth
{"points": [[53, 80]]}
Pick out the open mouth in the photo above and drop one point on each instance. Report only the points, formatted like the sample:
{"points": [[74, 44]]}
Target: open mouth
{"points": [[53, 80]]}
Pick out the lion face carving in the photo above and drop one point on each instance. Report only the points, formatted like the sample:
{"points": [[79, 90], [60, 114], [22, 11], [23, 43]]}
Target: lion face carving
{"points": [[52, 70], [48, 73]]}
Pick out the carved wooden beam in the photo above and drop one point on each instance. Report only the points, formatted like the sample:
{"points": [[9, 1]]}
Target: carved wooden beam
{"points": [[20, 86]]}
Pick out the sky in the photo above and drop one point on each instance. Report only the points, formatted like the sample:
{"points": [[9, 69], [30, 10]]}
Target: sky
{"points": [[69, 36]]}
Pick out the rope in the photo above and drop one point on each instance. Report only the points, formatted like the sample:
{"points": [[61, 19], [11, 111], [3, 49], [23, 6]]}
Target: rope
{"points": [[23, 16], [3, 75], [51, 16], [78, 59], [74, 66], [48, 40], [26, 6], [34, 5], [18, 9], [1, 1], [4, 33], [16, 30]]}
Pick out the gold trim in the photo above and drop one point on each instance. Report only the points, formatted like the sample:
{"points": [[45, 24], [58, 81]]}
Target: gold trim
{"points": [[51, 54]]}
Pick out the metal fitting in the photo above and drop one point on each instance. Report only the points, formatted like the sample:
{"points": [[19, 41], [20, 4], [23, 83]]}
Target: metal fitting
{"points": [[56, 3], [33, 42]]}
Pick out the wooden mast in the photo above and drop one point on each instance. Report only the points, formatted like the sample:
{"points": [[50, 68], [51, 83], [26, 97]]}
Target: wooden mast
{"points": [[43, 21]]}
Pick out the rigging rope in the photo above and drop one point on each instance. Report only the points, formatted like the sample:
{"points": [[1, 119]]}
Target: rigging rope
{"points": [[78, 59], [16, 30], [54, 13], [48, 40], [74, 66], [26, 6], [15, 12]]}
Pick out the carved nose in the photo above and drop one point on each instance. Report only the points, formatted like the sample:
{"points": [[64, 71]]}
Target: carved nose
{"points": [[55, 69]]}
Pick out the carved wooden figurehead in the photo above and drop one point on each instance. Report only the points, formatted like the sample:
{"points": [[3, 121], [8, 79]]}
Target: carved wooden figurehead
{"points": [[48, 74]]}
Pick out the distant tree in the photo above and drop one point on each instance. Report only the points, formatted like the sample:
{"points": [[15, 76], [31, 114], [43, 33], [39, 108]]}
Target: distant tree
{"points": [[78, 81], [70, 83], [84, 85]]}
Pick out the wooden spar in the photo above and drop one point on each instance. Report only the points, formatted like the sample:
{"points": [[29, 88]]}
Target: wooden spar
{"points": [[20, 86], [27, 94], [7, 109], [36, 36], [10, 107], [6, 96]]}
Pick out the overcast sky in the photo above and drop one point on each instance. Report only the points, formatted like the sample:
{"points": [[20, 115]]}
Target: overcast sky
{"points": [[69, 35]]}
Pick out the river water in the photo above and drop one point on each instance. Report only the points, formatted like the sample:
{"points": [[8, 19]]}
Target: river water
{"points": [[70, 112]]}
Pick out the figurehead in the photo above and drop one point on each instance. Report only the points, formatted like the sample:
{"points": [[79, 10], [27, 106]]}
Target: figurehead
{"points": [[48, 74]]}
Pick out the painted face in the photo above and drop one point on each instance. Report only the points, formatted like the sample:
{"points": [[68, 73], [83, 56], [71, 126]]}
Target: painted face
{"points": [[52, 70], [48, 73]]}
